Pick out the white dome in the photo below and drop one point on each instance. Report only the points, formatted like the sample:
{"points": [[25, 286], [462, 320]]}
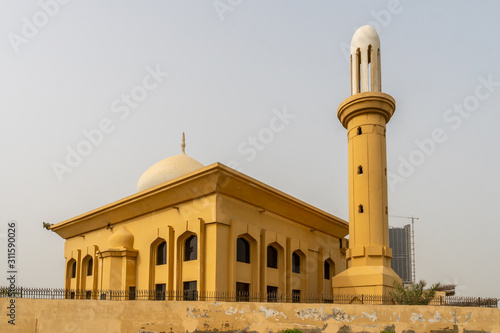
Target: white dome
{"points": [[167, 169], [364, 36]]}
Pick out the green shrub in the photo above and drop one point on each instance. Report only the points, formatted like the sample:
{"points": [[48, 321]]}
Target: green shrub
{"points": [[415, 294], [292, 330]]}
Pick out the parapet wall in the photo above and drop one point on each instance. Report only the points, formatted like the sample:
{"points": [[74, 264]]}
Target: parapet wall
{"points": [[78, 316]]}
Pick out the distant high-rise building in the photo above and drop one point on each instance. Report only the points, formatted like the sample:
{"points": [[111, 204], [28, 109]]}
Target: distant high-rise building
{"points": [[400, 243]]}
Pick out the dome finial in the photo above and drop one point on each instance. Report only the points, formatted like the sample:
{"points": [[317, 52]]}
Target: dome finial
{"points": [[183, 145]]}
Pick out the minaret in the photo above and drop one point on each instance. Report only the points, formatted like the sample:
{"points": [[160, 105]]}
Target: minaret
{"points": [[365, 115]]}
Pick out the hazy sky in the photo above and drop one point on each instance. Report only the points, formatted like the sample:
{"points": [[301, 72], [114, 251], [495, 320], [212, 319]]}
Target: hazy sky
{"points": [[142, 72]]}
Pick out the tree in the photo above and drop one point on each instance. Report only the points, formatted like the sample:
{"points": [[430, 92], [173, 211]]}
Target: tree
{"points": [[448, 289], [416, 294]]}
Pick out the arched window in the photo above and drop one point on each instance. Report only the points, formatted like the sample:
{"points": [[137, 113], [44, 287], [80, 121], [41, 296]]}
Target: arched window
{"points": [[161, 253], [272, 257], [90, 265], [242, 250], [360, 209], [295, 263], [327, 270], [191, 248], [73, 270]]}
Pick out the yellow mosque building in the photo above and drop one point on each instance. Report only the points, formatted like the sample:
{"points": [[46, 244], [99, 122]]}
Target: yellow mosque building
{"points": [[193, 229], [204, 229]]}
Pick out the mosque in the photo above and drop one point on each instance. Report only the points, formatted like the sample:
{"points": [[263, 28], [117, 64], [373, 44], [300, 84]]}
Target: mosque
{"points": [[192, 228]]}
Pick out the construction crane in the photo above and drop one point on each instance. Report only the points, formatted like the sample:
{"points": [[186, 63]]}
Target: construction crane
{"points": [[412, 218]]}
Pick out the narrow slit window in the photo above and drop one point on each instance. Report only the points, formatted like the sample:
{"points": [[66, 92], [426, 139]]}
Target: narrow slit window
{"points": [[326, 270], [295, 263], [242, 250], [191, 248], [161, 253], [358, 65], [90, 264], [370, 68], [360, 209], [160, 291], [242, 292], [360, 131], [272, 257], [360, 170]]}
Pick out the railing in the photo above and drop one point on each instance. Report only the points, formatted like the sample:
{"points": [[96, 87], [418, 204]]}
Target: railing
{"points": [[193, 295], [482, 302]]}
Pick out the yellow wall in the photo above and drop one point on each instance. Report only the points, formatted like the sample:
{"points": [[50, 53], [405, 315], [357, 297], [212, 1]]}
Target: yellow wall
{"points": [[80, 316], [218, 221], [365, 115]]}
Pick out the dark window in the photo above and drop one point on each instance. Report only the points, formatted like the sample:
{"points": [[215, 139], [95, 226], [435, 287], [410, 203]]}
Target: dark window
{"points": [[161, 253], [243, 250], [360, 131], [73, 269], [161, 288], [272, 257], [272, 294], [370, 50], [190, 291], [295, 263], [90, 264], [295, 296], [191, 248], [131, 293], [242, 292], [360, 209], [327, 270], [360, 170], [358, 63], [88, 294]]}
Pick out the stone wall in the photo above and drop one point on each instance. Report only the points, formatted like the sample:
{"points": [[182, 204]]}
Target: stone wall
{"points": [[73, 316]]}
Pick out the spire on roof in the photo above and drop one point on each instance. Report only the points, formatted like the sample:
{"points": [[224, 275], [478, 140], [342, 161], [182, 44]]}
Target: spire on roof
{"points": [[183, 145]]}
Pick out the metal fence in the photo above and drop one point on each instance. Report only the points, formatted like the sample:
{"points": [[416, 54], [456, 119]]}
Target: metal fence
{"points": [[153, 295]]}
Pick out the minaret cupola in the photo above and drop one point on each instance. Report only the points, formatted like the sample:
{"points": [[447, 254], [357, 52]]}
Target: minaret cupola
{"points": [[365, 61]]}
